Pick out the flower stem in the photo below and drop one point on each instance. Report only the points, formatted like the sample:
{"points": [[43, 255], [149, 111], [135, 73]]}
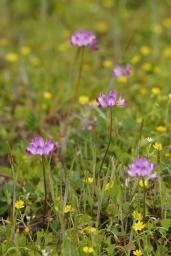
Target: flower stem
{"points": [[77, 85], [110, 137], [45, 186], [144, 198]]}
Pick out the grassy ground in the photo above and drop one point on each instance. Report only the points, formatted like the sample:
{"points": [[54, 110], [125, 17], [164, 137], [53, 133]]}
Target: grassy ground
{"points": [[90, 211]]}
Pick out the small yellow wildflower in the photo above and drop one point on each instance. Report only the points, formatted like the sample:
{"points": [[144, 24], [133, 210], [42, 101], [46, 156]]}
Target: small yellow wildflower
{"points": [[93, 103], [47, 95], [161, 129], [102, 26], [107, 64], [122, 79], [167, 22], [157, 28], [19, 204], [25, 50], [87, 249], [3, 41], [155, 91], [158, 146], [167, 52], [167, 154], [156, 69], [68, 208], [138, 226], [135, 59], [137, 253], [83, 100], [147, 67], [26, 229], [108, 186], [143, 183], [137, 216], [12, 57], [145, 50], [107, 3], [89, 180], [92, 230]]}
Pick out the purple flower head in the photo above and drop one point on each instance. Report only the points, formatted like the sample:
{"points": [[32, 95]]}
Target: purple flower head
{"points": [[140, 168], [84, 39], [120, 71], [110, 101], [37, 146]]}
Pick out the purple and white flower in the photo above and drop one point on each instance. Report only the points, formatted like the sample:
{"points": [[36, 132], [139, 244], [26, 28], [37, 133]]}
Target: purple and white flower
{"points": [[120, 71], [37, 146], [141, 168], [84, 39], [110, 101]]}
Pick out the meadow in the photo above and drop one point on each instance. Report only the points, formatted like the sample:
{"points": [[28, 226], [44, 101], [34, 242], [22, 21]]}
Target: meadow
{"points": [[85, 128]]}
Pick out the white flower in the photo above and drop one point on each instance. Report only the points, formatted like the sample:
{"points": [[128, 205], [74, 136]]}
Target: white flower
{"points": [[44, 252], [149, 139]]}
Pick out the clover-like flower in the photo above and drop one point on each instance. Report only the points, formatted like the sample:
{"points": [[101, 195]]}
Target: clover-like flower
{"points": [[37, 146], [84, 39], [141, 168], [110, 101], [119, 71]]}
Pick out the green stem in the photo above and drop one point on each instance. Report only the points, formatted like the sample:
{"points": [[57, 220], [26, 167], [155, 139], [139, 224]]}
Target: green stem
{"points": [[144, 199], [45, 186], [110, 137], [77, 85]]}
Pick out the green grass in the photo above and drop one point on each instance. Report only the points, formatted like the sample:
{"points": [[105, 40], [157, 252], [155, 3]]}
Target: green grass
{"points": [[100, 204]]}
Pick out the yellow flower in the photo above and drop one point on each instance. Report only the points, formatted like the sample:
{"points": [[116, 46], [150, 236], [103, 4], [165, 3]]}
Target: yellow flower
{"points": [[137, 216], [94, 103], [3, 41], [143, 183], [108, 186], [89, 180], [87, 249], [157, 28], [145, 50], [47, 95], [25, 50], [135, 59], [147, 67], [107, 64], [155, 91], [102, 26], [26, 229], [107, 3], [19, 204], [138, 226], [167, 22], [167, 52], [156, 69], [161, 129], [92, 230], [68, 208], [158, 146], [137, 253], [167, 154], [122, 79], [12, 57], [83, 100]]}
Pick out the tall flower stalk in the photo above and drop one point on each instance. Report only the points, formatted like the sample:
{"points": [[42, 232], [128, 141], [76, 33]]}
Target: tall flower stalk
{"points": [[38, 147], [109, 102]]}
